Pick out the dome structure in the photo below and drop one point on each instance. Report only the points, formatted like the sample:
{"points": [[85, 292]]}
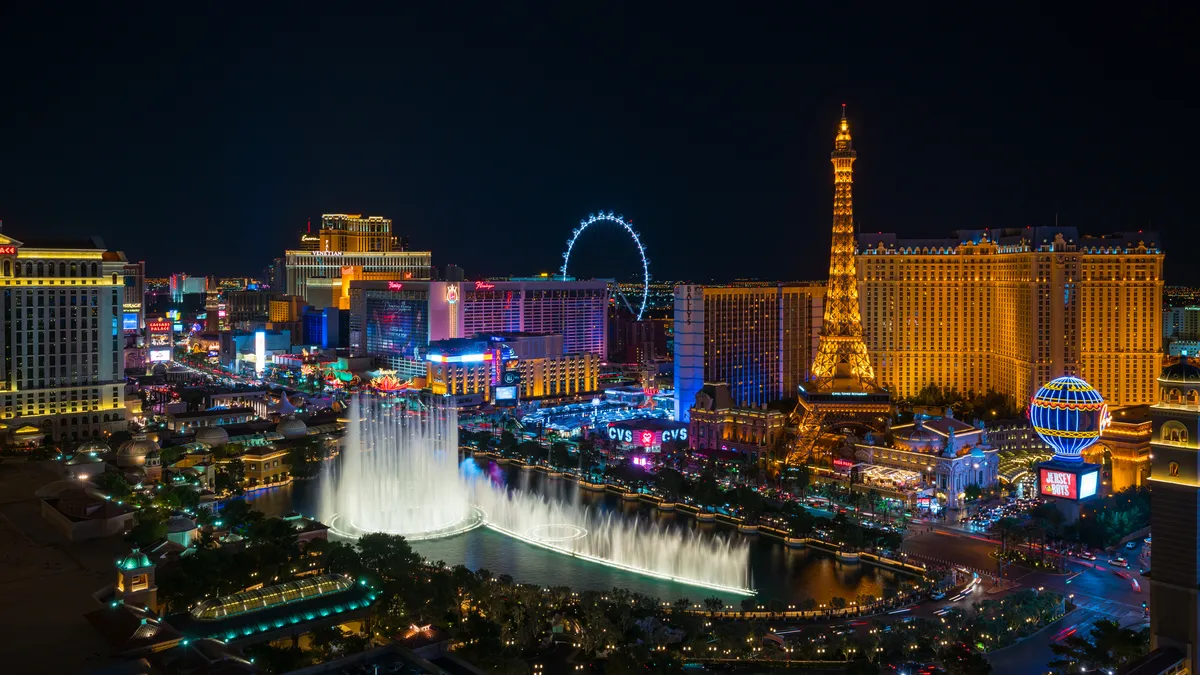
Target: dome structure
{"points": [[1069, 415], [176, 524], [214, 436], [81, 458], [135, 560], [1184, 372], [95, 445], [133, 452], [57, 488], [292, 428]]}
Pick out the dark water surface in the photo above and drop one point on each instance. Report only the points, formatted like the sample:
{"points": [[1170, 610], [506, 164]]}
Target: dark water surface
{"points": [[777, 572]]}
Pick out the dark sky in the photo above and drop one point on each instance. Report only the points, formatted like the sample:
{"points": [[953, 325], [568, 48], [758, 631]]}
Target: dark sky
{"points": [[202, 143]]}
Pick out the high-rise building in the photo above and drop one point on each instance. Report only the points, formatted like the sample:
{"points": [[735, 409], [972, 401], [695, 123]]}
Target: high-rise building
{"points": [[1007, 310], [133, 303], [1175, 519], [395, 321], [182, 284], [62, 372], [758, 339], [351, 248]]}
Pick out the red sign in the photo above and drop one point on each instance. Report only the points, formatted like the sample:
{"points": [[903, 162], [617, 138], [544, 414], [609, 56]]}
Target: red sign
{"points": [[842, 464], [159, 326], [647, 439], [8, 250], [395, 286], [484, 286], [1059, 484]]}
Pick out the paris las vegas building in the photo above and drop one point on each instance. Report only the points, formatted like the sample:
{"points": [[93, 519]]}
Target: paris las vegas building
{"points": [[62, 373]]}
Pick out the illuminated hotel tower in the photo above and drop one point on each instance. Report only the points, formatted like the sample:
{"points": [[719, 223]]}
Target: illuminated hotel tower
{"points": [[842, 385], [842, 353]]}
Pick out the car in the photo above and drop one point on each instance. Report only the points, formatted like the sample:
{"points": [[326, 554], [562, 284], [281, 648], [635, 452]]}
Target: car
{"points": [[937, 595], [1131, 545], [1085, 555], [1119, 562], [1147, 540]]}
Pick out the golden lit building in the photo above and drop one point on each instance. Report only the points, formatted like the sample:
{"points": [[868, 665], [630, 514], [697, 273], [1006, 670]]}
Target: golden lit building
{"points": [[63, 366], [265, 465], [1011, 309], [350, 247], [553, 376], [718, 424], [1124, 448]]}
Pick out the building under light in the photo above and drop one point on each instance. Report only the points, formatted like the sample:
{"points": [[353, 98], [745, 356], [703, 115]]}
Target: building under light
{"points": [[351, 248], [1007, 310], [395, 321], [63, 371], [759, 339]]}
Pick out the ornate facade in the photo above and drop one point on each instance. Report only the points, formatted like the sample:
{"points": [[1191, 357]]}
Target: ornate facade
{"points": [[1010, 309]]}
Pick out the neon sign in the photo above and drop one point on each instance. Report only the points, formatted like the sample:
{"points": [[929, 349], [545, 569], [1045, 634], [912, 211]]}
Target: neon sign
{"points": [[452, 293], [395, 286], [674, 435], [484, 286], [8, 250], [1059, 484], [159, 326]]}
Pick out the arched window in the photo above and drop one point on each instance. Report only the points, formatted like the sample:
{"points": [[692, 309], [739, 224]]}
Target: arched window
{"points": [[95, 419], [95, 270], [7, 268], [41, 273], [74, 269], [29, 269], [114, 277], [1174, 432], [62, 269], [1173, 396], [1192, 397]]}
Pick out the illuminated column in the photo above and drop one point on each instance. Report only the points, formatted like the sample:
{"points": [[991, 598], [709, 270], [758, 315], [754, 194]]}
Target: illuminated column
{"points": [[841, 333], [260, 352]]}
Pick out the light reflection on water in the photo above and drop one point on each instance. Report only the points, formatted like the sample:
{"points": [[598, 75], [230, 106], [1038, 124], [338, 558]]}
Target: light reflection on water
{"points": [[789, 575]]}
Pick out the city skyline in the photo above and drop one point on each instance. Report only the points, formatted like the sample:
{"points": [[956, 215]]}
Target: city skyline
{"points": [[243, 146]]}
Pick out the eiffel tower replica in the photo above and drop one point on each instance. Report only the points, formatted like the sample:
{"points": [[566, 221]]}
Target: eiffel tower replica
{"points": [[841, 390]]}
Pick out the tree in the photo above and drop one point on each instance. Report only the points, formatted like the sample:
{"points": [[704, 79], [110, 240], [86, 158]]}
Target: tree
{"points": [[837, 602], [387, 556], [151, 526], [304, 458], [1108, 648], [802, 478], [112, 483], [237, 514], [670, 483], [958, 659], [560, 456], [507, 440], [972, 492], [714, 604]]}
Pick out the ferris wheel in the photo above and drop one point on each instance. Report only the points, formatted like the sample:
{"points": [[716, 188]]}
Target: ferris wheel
{"points": [[602, 217]]}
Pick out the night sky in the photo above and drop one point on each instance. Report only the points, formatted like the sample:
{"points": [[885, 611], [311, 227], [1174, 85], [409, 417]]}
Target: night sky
{"points": [[202, 143]]}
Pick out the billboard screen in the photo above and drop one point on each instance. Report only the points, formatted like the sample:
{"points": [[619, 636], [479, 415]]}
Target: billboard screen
{"points": [[129, 321], [1059, 484], [160, 355], [1087, 484], [505, 395]]}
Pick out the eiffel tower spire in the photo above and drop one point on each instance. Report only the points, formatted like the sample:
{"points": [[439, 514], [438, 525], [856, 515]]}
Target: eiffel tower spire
{"points": [[842, 353]]}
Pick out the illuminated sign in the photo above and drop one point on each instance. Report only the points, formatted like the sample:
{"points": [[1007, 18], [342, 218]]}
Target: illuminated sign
{"points": [[160, 355], [506, 394], [460, 358], [159, 326], [648, 438], [160, 339], [395, 286], [8, 250], [484, 286], [221, 313], [623, 435], [452, 293], [129, 321], [178, 327], [260, 351], [1087, 484], [674, 435], [842, 464], [1059, 484]]}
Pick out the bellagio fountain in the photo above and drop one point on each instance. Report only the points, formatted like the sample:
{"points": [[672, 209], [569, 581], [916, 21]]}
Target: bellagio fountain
{"points": [[399, 473]]}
